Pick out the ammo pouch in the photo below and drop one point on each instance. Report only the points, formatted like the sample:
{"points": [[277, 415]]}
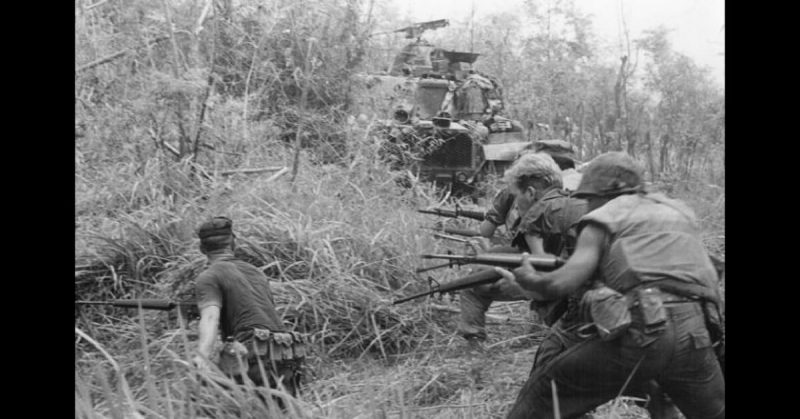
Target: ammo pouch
{"points": [[610, 310], [278, 346], [233, 358]]}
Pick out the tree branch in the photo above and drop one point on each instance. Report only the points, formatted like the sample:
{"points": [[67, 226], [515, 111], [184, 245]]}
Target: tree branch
{"points": [[118, 54]]}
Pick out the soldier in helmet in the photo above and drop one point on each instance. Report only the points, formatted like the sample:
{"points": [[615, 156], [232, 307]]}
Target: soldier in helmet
{"points": [[234, 297], [653, 313]]}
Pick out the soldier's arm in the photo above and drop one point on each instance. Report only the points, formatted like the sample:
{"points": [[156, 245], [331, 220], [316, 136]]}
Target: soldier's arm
{"points": [[209, 302], [535, 244], [497, 213], [207, 329], [563, 281]]}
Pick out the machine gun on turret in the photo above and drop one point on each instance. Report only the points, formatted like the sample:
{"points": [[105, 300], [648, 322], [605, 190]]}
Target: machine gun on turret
{"points": [[415, 31]]}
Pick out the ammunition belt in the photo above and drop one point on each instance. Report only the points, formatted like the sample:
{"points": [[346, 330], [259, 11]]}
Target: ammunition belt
{"points": [[278, 346], [272, 347]]}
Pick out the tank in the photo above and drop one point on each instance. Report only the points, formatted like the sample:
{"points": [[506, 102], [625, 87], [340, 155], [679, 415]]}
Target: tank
{"points": [[445, 120]]}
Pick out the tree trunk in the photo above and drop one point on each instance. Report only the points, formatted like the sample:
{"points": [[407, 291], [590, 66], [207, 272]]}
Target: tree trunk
{"points": [[650, 160], [580, 130], [620, 99], [664, 154]]}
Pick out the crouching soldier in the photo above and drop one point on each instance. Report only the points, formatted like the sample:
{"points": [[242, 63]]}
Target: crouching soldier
{"points": [[234, 297], [655, 315]]}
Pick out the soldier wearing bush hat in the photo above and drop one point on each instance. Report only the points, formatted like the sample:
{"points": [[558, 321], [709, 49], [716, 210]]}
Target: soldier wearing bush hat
{"points": [[655, 316], [235, 298]]}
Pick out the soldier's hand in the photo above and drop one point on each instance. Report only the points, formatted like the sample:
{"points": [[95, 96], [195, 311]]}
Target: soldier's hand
{"points": [[526, 269], [201, 363], [508, 276], [508, 286]]}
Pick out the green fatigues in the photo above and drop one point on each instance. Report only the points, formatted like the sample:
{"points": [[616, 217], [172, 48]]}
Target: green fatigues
{"points": [[553, 218], [503, 210], [243, 294], [653, 243]]}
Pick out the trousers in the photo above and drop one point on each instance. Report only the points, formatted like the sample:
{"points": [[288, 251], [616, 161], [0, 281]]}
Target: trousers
{"points": [[678, 357]]}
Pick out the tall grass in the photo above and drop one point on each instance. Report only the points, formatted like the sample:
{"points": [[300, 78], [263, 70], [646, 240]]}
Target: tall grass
{"points": [[339, 244]]}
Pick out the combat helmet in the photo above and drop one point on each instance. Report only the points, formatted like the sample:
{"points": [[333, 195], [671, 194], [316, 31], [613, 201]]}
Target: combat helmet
{"points": [[610, 174]]}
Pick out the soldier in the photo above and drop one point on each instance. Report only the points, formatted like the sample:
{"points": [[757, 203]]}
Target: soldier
{"points": [[649, 318], [235, 297], [545, 228], [503, 211]]}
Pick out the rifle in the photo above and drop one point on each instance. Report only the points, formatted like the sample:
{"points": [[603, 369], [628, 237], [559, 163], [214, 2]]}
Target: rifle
{"points": [[148, 304], [455, 231], [505, 260], [455, 213], [487, 276]]}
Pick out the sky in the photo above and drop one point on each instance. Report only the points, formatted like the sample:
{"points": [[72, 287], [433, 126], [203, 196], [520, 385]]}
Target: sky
{"points": [[698, 26]]}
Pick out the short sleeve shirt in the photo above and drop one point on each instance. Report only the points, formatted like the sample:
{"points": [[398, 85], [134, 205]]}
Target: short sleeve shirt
{"points": [[554, 218], [502, 204], [243, 294]]}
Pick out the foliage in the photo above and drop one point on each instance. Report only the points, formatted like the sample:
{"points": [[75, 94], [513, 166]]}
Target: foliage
{"points": [[173, 97]]}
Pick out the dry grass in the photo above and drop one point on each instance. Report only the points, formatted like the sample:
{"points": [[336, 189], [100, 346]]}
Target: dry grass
{"points": [[338, 246]]}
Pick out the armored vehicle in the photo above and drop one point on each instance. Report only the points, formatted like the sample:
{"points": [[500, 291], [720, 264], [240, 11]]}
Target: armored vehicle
{"points": [[446, 125]]}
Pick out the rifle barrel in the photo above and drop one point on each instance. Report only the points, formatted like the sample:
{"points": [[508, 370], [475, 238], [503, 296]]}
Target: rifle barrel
{"points": [[500, 259], [430, 268], [457, 231], [485, 276]]}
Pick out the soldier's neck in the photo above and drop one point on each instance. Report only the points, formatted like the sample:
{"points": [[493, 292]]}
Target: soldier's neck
{"points": [[216, 255]]}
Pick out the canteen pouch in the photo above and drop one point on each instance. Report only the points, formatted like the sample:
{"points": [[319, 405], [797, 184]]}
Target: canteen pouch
{"points": [[608, 310], [233, 358]]}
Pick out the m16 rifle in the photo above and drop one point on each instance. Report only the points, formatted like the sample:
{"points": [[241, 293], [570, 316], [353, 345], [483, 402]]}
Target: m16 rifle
{"points": [[488, 276], [187, 308], [454, 213], [455, 231]]}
